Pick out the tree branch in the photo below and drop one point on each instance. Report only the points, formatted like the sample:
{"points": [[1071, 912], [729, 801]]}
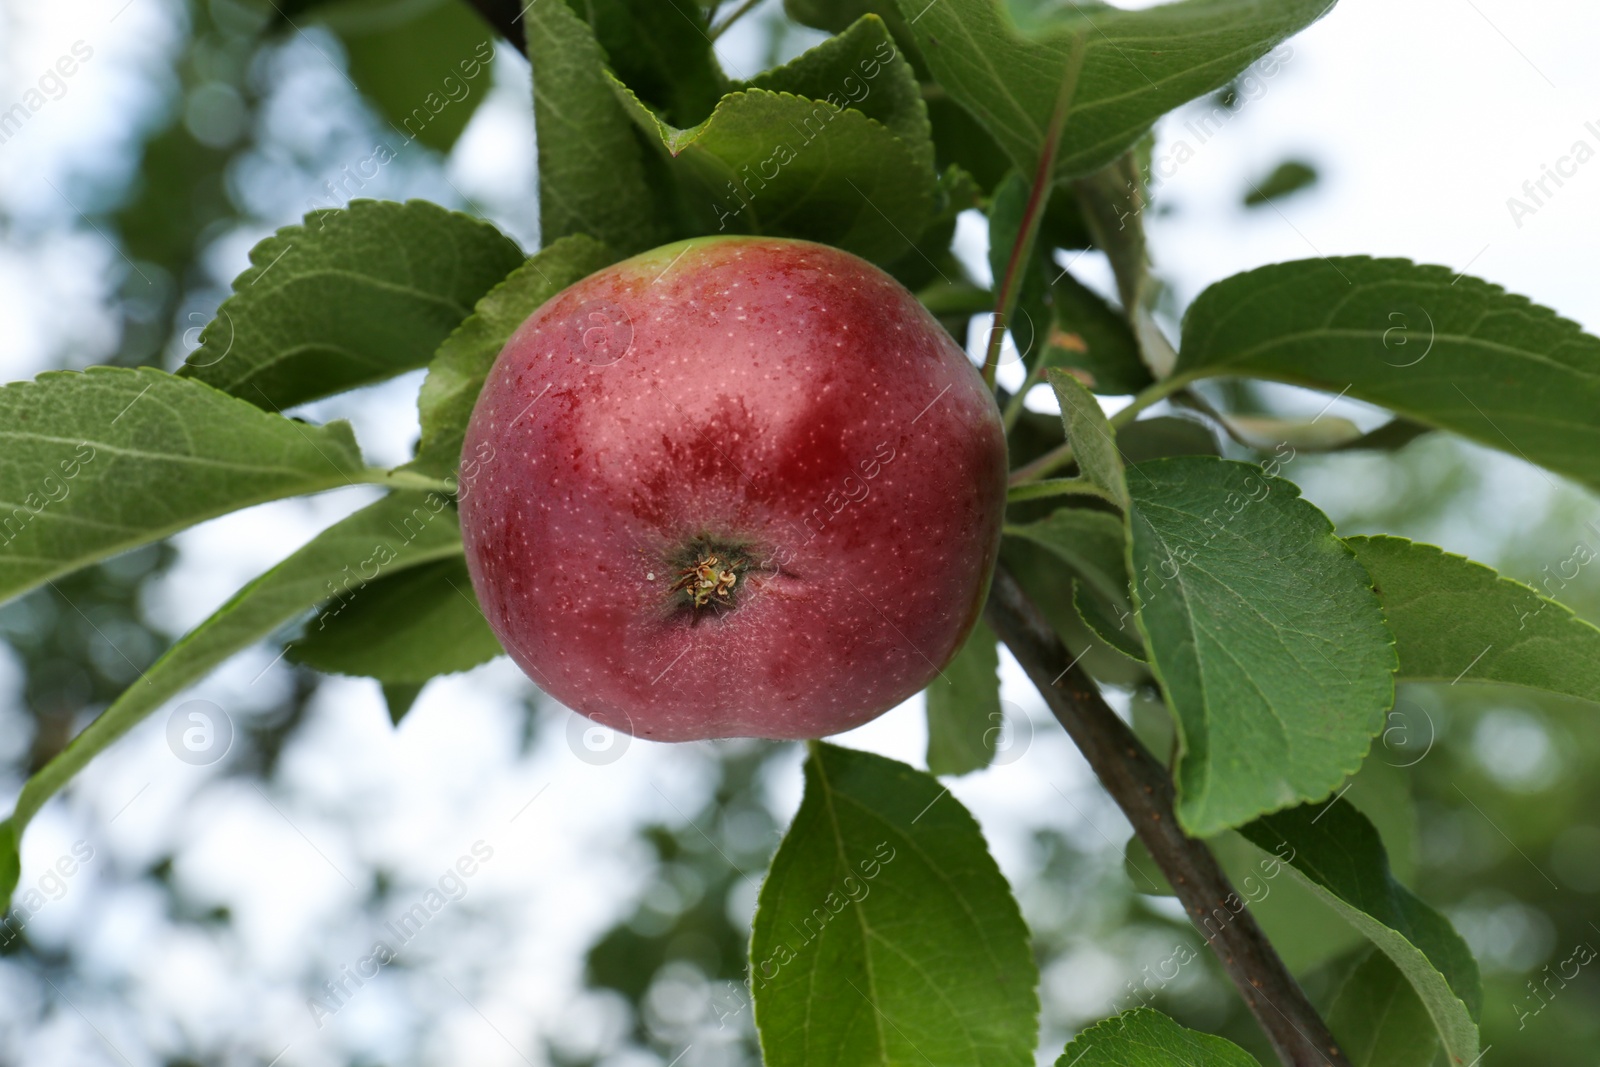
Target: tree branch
{"points": [[505, 16], [1144, 791]]}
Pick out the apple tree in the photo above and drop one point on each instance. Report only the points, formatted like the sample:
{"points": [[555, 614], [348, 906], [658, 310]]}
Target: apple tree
{"points": [[723, 469]]}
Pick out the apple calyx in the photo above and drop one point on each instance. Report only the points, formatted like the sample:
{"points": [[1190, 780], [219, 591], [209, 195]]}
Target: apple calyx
{"points": [[709, 574]]}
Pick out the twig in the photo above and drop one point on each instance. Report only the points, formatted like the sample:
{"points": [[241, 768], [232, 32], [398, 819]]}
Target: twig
{"points": [[505, 17], [1033, 212], [1144, 791]]}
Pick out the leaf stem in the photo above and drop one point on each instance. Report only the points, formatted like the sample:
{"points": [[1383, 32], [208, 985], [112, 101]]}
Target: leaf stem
{"points": [[1144, 791], [722, 27], [1061, 455], [1033, 213], [1056, 487], [400, 478]]}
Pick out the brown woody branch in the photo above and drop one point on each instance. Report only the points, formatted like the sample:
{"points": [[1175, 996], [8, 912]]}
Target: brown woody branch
{"points": [[1143, 789]]}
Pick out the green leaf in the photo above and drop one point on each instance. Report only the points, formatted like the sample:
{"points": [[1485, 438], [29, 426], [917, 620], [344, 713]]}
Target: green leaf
{"points": [[399, 531], [1094, 446], [403, 628], [1338, 854], [398, 697], [1166, 435], [964, 707], [1444, 349], [462, 362], [1090, 336], [1378, 1018], [591, 164], [860, 69], [350, 297], [1093, 543], [1143, 1037], [1139, 65], [851, 166], [661, 49], [1264, 632], [1458, 621], [884, 931], [102, 461], [425, 71], [1290, 177]]}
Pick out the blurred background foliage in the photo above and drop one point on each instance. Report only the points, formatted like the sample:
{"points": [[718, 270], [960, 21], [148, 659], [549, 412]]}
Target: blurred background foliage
{"points": [[1489, 799]]}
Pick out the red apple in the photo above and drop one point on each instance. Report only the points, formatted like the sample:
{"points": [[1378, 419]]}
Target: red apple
{"points": [[733, 487]]}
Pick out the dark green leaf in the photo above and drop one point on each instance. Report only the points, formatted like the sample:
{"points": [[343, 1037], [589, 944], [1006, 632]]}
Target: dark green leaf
{"points": [[1139, 65], [352, 296], [964, 713], [1458, 621], [661, 49], [402, 628], [885, 933], [458, 369], [1094, 446], [99, 462], [1090, 336], [1378, 1018], [1093, 543], [1337, 852], [398, 697], [1444, 349], [591, 165], [426, 70], [860, 69], [1164, 436], [402, 530], [1146, 1038], [1264, 632], [1290, 177]]}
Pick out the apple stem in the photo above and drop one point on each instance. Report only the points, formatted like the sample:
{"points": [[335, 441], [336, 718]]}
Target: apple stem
{"points": [[1033, 213]]}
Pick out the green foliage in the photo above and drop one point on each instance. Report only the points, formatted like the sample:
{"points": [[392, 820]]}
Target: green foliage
{"points": [[459, 367], [1336, 851], [404, 628], [1378, 1018], [885, 932], [424, 67], [1138, 66], [964, 716], [1289, 177], [1264, 632], [1088, 335], [1458, 621], [1145, 1038], [591, 167], [349, 297], [400, 531], [108, 459], [1094, 446], [661, 50], [1441, 348], [1093, 544]]}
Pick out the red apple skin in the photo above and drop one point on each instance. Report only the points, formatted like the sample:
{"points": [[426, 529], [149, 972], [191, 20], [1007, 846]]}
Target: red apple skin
{"points": [[779, 395]]}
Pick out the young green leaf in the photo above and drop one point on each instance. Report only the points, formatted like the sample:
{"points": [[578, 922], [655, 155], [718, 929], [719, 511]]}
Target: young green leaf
{"points": [[1379, 1019], [403, 628], [1094, 445], [964, 707], [1139, 66], [399, 531], [885, 933], [1336, 852], [1441, 348], [350, 297], [1264, 632], [591, 165], [1458, 621], [778, 164], [1143, 1037], [111, 458], [462, 362]]}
